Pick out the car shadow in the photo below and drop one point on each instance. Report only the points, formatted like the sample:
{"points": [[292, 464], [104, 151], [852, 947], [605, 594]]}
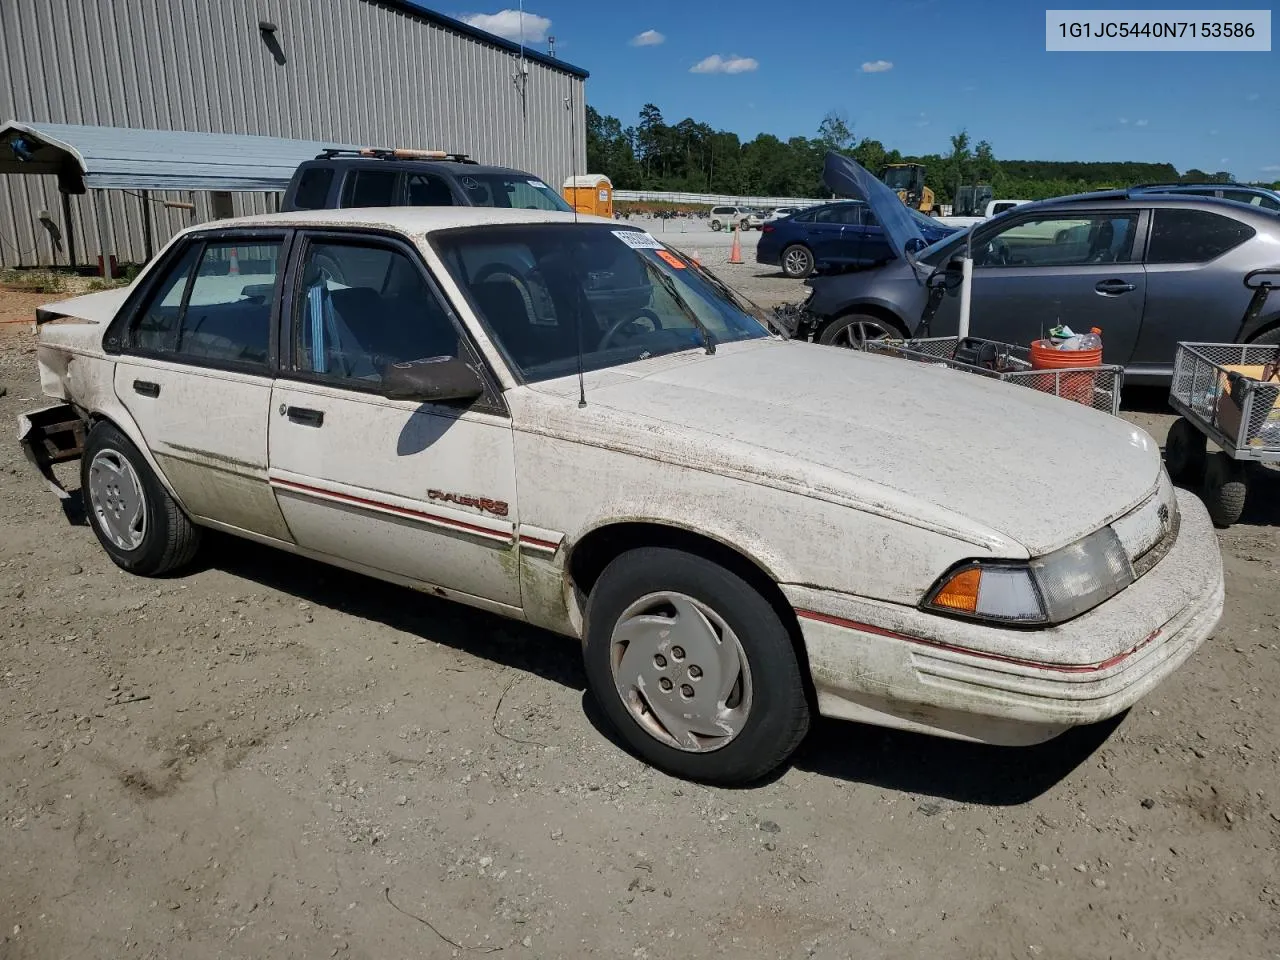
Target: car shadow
{"points": [[455, 625], [1145, 399], [854, 752]]}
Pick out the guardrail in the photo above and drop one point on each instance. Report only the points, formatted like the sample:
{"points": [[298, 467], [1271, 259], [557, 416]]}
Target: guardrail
{"points": [[713, 200]]}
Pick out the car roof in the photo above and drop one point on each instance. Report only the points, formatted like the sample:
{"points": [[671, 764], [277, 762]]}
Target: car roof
{"points": [[406, 219], [1107, 199], [417, 164]]}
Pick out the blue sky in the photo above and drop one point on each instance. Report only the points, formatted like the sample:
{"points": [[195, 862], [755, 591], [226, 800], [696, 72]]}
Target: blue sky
{"points": [[982, 66]]}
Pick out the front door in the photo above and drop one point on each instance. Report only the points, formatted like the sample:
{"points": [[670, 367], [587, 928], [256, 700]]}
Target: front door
{"points": [[194, 372], [1081, 270], [422, 491]]}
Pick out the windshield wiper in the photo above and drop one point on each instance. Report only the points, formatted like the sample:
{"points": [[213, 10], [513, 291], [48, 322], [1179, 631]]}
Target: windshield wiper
{"points": [[708, 338]]}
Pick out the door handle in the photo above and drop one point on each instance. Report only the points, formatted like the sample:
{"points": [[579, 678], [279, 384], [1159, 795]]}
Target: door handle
{"points": [[146, 388], [305, 416], [1114, 287]]}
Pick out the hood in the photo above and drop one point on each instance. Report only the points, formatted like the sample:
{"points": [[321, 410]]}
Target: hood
{"points": [[849, 178], [990, 462]]}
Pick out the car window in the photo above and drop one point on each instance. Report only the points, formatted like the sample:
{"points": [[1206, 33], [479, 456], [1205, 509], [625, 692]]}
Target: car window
{"points": [[221, 314], [1058, 240], [805, 216], [370, 188], [313, 188], [1193, 236], [545, 290], [156, 325], [1253, 199], [428, 190], [826, 215], [362, 308], [510, 190], [855, 214]]}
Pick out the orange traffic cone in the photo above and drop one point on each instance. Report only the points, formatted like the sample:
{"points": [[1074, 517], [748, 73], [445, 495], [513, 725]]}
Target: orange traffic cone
{"points": [[697, 257], [735, 254]]}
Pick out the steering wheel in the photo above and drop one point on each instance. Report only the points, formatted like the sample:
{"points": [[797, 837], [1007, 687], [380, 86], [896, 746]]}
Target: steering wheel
{"points": [[626, 321]]}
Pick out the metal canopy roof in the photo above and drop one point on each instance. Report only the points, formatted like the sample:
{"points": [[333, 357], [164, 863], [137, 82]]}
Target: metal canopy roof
{"points": [[128, 158]]}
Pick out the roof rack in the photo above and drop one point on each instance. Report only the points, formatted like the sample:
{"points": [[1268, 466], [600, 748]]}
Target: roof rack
{"points": [[1187, 183], [398, 153]]}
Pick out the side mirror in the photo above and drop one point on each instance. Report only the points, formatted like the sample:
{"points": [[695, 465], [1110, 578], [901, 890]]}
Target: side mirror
{"points": [[432, 380]]}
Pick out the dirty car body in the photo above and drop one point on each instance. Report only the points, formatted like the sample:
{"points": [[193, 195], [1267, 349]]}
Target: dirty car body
{"points": [[561, 420]]}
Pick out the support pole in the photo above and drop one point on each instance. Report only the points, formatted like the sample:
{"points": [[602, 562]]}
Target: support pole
{"points": [[146, 224], [104, 251], [69, 229], [966, 294]]}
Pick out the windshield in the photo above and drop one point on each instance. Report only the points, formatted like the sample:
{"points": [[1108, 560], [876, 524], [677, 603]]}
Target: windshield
{"points": [[541, 289], [899, 178], [511, 190]]}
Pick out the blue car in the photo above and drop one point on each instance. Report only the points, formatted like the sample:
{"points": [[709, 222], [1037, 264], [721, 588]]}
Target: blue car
{"points": [[844, 233]]}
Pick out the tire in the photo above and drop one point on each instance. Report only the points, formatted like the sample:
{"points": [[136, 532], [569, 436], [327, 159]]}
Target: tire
{"points": [[797, 261], [766, 716], [717, 226], [1226, 486], [1267, 337], [165, 538], [854, 329], [1184, 452]]}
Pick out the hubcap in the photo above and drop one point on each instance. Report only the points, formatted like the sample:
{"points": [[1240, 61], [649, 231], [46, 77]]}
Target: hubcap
{"points": [[681, 672], [115, 494], [856, 334], [797, 262]]}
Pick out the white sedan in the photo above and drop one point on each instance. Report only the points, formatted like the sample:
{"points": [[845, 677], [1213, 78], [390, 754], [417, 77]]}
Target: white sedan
{"points": [[559, 419]]}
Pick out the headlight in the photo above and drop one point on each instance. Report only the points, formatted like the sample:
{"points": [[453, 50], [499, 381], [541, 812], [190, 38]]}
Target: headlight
{"points": [[1049, 589]]}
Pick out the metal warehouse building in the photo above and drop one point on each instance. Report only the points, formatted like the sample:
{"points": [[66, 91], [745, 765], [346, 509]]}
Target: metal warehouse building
{"points": [[368, 72]]}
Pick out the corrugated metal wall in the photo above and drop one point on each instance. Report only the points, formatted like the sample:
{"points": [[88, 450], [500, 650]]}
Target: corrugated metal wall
{"points": [[353, 71]]}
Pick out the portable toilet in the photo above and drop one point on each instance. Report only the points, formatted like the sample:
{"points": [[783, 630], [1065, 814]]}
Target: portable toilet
{"points": [[591, 193]]}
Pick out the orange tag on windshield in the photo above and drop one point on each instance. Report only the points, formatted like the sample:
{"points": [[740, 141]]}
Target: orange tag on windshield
{"points": [[671, 259]]}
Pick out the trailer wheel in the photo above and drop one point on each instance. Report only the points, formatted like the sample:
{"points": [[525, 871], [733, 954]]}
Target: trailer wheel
{"points": [[1184, 452], [1226, 485]]}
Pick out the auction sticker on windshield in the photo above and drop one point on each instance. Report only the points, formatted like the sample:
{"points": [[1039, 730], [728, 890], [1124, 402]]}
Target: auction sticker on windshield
{"points": [[638, 240], [671, 259]]}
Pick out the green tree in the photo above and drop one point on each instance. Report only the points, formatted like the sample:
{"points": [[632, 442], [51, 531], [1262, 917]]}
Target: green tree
{"points": [[835, 132]]}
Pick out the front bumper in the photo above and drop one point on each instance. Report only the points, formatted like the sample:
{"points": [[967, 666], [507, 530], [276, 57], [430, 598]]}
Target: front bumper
{"points": [[896, 666]]}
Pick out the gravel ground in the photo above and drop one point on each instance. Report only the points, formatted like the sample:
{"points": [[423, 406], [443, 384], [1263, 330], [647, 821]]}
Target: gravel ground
{"points": [[267, 757]]}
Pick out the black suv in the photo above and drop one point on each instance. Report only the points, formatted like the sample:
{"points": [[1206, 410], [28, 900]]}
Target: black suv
{"points": [[425, 178]]}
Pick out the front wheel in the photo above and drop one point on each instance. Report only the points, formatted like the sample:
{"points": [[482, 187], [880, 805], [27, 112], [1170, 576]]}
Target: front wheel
{"points": [[797, 261], [138, 524], [716, 225], [854, 330], [693, 667]]}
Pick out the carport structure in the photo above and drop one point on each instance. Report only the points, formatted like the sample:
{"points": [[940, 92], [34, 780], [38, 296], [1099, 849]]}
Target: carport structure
{"points": [[94, 160]]}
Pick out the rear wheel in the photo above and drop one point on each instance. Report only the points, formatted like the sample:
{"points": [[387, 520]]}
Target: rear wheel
{"points": [[693, 667], [1184, 452], [855, 329], [1226, 486], [797, 261], [1267, 337], [716, 225], [139, 525]]}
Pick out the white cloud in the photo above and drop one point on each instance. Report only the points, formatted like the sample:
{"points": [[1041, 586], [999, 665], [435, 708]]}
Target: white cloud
{"points": [[877, 66], [506, 23], [1224, 160], [650, 38], [1271, 168], [730, 64], [1142, 123], [1252, 97]]}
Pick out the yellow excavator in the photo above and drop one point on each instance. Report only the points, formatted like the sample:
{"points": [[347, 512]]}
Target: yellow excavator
{"points": [[908, 180]]}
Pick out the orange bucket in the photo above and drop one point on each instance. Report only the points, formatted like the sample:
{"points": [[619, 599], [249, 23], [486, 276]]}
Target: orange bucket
{"points": [[1070, 386]]}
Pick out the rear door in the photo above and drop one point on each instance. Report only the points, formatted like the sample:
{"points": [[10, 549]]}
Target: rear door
{"points": [[825, 232], [195, 371], [1195, 265], [372, 186], [1078, 268]]}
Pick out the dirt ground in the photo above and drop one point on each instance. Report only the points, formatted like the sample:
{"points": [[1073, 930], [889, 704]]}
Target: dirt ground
{"points": [[265, 757]]}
